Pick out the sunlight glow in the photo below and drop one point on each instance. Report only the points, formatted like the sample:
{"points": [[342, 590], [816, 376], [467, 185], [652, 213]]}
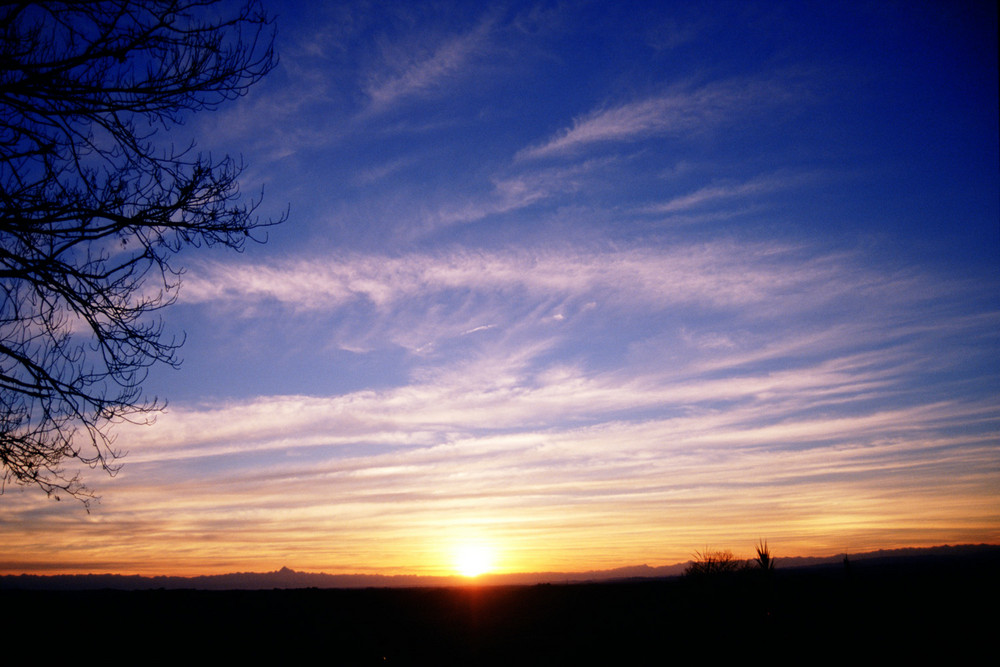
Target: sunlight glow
{"points": [[472, 560]]}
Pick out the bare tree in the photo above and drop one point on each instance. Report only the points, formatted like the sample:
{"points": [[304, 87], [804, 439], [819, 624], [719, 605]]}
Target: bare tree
{"points": [[94, 205]]}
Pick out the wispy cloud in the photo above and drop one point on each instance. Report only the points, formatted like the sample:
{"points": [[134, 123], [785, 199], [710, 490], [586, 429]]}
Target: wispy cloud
{"points": [[729, 191], [382, 171], [845, 417], [717, 274], [520, 445], [681, 110], [405, 73], [519, 191], [713, 305]]}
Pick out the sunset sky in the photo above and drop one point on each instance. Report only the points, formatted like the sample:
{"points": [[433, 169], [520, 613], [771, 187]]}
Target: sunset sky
{"points": [[574, 286]]}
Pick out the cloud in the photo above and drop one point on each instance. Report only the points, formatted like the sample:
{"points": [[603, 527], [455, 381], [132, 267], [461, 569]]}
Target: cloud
{"points": [[710, 275], [382, 171], [425, 303], [524, 445], [843, 386], [519, 191], [767, 418], [722, 192], [484, 327], [408, 72], [681, 110]]}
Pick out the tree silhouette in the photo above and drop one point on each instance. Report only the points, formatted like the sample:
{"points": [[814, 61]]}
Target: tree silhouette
{"points": [[710, 563], [94, 206]]}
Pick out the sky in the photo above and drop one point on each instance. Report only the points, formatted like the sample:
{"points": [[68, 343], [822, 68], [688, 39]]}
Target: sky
{"points": [[575, 286]]}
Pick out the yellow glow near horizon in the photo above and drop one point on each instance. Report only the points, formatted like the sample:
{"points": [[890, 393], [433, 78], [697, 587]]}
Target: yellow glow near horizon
{"points": [[472, 560]]}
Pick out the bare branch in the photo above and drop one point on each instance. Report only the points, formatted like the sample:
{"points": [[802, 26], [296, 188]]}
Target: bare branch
{"points": [[93, 208]]}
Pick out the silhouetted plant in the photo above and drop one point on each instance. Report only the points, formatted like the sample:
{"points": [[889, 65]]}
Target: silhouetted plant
{"points": [[714, 563], [733, 590], [764, 559]]}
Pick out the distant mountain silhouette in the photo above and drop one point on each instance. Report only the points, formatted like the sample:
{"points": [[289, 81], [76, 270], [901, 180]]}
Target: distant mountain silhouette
{"points": [[287, 578]]}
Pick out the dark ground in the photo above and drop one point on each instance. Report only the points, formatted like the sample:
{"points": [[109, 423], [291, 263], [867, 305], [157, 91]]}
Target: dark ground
{"points": [[929, 607]]}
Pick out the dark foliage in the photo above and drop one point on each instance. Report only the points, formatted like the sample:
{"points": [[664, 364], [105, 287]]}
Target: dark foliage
{"points": [[94, 205], [714, 563]]}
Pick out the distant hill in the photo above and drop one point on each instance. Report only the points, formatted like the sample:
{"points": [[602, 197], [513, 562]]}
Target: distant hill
{"points": [[286, 578]]}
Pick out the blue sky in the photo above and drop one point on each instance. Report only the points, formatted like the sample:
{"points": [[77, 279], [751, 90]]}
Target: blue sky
{"points": [[591, 284]]}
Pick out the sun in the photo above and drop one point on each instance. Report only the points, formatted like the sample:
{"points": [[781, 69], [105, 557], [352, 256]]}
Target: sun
{"points": [[472, 560]]}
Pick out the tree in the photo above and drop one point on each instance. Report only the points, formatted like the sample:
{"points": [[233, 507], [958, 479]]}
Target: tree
{"points": [[95, 207]]}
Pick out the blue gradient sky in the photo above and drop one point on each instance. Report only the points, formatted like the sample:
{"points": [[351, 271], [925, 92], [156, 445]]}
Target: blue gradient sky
{"points": [[591, 284]]}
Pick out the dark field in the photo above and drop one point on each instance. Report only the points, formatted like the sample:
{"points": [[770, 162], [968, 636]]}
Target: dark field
{"points": [[912, 608]]}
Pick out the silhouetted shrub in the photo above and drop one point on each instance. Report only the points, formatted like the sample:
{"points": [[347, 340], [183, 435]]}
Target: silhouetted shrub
{"points": [[714, 563]]}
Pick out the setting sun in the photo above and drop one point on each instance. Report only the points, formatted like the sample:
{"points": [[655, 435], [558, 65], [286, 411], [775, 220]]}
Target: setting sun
{"points": [[472, 560]]}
